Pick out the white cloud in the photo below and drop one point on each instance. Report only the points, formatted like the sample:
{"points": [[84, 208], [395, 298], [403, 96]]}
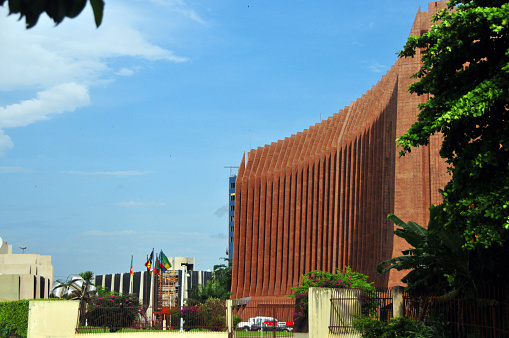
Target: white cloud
{"points": [[75, 50], [139, 204], [13, 170], [55, 100], [182, 8], [61, 63], [100, 233], [61, 98], [5, 142], [125, 72], [108, 173], [377, 67]]}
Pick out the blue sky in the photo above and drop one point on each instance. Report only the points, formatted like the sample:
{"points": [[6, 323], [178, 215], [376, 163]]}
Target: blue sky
{"points": [[113, 141]]}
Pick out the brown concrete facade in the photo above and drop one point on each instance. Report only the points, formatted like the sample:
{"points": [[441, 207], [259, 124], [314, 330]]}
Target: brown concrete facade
{"points": [[318, 200]]}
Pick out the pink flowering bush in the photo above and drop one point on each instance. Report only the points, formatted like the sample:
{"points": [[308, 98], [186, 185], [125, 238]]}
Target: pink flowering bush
{"points": [[342, 279], [113, 311]]}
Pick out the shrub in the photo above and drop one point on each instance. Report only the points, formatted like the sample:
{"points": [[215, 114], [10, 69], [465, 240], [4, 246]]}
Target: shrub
{"points": [[370, 327], [342, 279], [14, 315], [113, 311], [210, 315], [236, 320], [214, 313], [192, 315]]}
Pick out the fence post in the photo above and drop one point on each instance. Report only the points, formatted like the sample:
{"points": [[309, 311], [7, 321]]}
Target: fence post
{"points": [[229, 317], [319, 309], [398, 307]]}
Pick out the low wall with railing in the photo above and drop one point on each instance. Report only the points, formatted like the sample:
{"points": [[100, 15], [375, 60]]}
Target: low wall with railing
{"points": [[155, 334], [60, 319]]}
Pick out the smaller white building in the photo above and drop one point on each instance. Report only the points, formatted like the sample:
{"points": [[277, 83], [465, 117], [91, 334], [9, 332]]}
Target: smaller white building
{"points": [[24, 276]]}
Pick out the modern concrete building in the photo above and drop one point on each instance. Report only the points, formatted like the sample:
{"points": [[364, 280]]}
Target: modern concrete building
{"points": [[24, 276], [318, 200]]}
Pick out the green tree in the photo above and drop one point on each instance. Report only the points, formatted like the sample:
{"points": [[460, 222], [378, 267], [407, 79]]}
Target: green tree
{"points": [[435, 262], [218, 286], [87, 276], [56, 9], [465, 71]]}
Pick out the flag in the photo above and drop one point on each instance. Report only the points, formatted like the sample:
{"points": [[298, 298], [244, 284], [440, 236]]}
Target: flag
{"points": [[150, 259], [164, 261], [131, 273], [156, 267], [160, 263]]}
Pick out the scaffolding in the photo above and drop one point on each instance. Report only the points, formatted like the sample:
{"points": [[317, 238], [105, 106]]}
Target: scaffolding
{"points": [[168, 291], [167, 296]]}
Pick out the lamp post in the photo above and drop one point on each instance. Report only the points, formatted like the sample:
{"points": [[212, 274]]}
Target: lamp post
{"points": [[182, 287]]}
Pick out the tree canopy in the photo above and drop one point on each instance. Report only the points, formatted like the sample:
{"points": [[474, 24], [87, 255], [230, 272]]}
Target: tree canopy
{"points": [[465, 72], [56, 9], [217, 287]]}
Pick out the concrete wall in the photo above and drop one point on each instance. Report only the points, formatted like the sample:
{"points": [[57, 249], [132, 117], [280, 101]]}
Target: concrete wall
{"points": [[9, 287], [16, 287], [5, 248], [319, 312], [52, 319]]}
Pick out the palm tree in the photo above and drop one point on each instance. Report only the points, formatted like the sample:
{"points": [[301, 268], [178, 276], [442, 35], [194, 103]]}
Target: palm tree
{"points": [[87, 276]]}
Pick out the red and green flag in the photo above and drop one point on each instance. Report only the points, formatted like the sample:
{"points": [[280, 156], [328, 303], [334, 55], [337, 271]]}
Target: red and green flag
{"points": [[156, 267], [164, 262]]}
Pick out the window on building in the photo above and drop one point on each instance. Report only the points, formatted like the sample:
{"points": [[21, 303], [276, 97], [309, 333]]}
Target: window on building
{"points": [[232, 208], [231, 229], [232, 197], [231, 239], [232, 185], [231, 218]]}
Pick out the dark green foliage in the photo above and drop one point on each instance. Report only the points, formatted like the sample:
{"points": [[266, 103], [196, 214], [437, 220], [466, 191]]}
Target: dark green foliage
{"points": [[398, 327], [214, 313], [87, 276], [465, 72], [14, 315], [104, 291], [56, 9], [218, 287], [436, 261], [342, 279], [369, 327], [113, 311], [236, 320]]}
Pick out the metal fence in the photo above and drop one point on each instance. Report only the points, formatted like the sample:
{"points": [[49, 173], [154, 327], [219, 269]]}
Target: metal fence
{"points": [[485, 315], [348, 303], [94, 319], [266, 316]]}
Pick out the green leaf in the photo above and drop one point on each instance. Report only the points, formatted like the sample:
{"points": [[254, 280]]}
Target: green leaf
{"points": [[98, 7]]}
